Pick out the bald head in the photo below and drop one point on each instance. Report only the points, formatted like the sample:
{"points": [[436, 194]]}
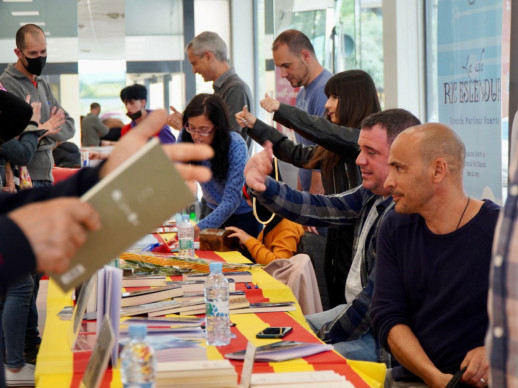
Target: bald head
{"points": [[435, 140]]}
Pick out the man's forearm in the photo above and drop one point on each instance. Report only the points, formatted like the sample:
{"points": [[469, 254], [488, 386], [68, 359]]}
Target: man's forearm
{"points": [[405, 346]]}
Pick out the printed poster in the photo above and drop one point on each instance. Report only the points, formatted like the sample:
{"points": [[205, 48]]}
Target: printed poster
{"points": [[469, 58]]}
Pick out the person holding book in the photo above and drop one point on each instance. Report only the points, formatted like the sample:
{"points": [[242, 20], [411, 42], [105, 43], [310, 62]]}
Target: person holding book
{"points": [[352, 96], [18, 307], [43, 231], [206, 121]]}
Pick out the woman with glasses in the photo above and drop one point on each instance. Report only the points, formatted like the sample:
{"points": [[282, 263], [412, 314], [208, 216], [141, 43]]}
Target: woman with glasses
{"points": [[206, 120], [352, 96]]}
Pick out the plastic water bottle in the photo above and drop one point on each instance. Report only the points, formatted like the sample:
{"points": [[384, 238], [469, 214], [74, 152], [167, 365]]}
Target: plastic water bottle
{"points": [[217, 322], [185, 238], [138, 362]]}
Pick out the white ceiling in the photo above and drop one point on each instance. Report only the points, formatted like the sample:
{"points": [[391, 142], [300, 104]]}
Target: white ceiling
{"points": [[134, 30]]}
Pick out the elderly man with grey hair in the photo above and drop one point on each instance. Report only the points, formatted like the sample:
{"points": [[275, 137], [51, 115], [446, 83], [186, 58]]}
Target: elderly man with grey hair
{"points": [[208, 55]]}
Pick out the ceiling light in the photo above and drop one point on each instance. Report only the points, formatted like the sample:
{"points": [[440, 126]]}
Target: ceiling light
{"points": [[25, 13], [17, 1], [37, 23]]}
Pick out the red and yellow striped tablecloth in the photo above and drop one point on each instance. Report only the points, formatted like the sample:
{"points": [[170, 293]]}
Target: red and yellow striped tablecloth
{"points": [[57, 366]]}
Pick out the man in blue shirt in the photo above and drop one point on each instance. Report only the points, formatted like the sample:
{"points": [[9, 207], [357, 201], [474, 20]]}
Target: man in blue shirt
{"points": [[294, 55]]}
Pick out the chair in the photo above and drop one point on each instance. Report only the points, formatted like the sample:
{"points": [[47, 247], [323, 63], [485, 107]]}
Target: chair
{"points": [[314, 246]]}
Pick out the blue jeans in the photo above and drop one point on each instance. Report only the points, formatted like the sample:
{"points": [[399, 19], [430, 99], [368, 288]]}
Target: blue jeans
{"points": [[363, 348], [14, 309]]}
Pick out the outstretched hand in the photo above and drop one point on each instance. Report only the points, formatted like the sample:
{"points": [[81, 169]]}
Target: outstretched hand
{"points": [[245, 118], [175, 119], [54, 123], [259, 167], [239, 233], [184, 152], [270, 104]]}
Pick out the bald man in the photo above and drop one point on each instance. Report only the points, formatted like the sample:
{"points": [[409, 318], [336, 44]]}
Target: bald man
{"points": [[429, 306]]}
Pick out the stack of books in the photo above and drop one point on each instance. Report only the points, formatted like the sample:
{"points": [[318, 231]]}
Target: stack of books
{"points": [[325, 378], [170, 348], [196, 374]]}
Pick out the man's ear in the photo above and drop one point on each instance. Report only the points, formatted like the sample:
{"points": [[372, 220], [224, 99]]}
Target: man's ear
{"points": [[210, 55], [18, 52], [439, 169], [306, 56]]}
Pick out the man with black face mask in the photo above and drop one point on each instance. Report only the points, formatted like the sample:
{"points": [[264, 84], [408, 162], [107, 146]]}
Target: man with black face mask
{"points": [[134, 98], [22, 79]]}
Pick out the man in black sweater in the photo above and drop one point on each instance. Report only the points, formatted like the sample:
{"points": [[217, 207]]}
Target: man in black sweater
{"points": [[429, 306]]}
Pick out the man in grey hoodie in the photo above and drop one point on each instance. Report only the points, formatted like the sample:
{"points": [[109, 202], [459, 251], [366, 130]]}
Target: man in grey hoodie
{"points": [[22, 79]]}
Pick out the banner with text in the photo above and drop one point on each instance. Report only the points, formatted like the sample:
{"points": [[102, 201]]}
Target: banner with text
{"points": [[469, 49]]}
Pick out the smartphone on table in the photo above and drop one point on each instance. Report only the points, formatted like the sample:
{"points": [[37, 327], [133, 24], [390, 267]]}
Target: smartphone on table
{"points": [[274, 332]]}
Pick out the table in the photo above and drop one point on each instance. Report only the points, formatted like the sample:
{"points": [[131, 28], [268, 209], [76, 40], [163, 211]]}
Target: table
{"points": [[57, 366]]}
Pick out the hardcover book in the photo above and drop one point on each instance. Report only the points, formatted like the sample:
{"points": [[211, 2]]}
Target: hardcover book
{"points": [[132, 200]]}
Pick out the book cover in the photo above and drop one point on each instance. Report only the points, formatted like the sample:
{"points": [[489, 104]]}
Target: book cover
{"points": [[153, 294], [237, 276], [132, 200], [144, 281], [266, 307], [283, 350]]}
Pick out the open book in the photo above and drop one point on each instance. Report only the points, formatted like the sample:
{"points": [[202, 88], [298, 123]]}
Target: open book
{"points": [[132, 200]]}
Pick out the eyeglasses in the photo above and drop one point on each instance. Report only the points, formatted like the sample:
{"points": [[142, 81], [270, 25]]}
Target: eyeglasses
{"points": [[202, 131]]}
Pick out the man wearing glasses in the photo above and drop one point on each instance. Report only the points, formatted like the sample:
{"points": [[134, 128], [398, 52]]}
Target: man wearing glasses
{"points": [[134, 98]]}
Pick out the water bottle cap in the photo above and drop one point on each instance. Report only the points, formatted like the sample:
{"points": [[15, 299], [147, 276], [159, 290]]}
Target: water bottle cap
{"points": [[137, 330], [216, 267], [178, 218], [185, 217]]}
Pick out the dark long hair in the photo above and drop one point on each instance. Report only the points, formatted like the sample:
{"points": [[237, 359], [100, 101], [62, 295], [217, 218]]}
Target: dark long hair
{"points": [[214, 108], [357, 99]]}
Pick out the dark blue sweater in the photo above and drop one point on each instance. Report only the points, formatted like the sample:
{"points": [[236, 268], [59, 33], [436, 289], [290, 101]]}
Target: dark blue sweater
{"points": [[16, 255], [435, 284]]}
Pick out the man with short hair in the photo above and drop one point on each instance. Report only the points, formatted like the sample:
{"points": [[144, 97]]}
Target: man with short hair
{"points": [[429, 306], [208, 55], [22, 79], [295, 57], [134, 98], [347, 326], [92, 128]]}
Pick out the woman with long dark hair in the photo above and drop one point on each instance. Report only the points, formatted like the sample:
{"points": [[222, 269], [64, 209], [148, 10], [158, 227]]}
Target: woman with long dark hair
{"points": [[352, 96], [205, 120]]}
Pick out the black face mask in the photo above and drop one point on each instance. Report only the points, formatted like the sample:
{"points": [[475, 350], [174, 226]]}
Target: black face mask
{"points": [[35, 65], [135, 115]]}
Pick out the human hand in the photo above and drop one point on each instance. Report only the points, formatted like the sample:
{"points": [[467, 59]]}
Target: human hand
{"points": [[259, 167], [197, 231], [182, 152], [239, 233], [56, 229], [36, 109], [175, 119], [310, 229], [270, 104], [245, 118], [53, 124], [477, 367]]}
